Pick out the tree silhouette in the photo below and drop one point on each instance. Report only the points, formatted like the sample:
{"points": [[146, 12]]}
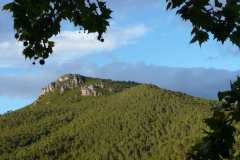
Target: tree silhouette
{"points": [[220, 141], [221, 18], [36, 21]]}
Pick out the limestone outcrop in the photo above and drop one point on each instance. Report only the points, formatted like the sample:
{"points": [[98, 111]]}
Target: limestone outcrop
{"points": [[70, 81]]}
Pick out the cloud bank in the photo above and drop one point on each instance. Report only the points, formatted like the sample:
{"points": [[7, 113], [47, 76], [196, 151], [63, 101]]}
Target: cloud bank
{"points": [[72, 44], [194, 81]]}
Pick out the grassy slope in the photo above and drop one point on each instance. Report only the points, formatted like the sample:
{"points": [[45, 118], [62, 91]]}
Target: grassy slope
{"points": [[143, 122]]}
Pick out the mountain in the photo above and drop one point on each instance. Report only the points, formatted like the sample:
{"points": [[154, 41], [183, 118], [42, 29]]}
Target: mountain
{"points": [[86, 85], [115, 121]]}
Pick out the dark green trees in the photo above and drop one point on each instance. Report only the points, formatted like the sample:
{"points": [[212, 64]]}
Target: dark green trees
{"points": [[221, 139], [36, 21], [140, 122]]}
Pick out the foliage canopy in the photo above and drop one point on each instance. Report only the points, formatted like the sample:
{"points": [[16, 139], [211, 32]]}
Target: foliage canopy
{"points": [[221, 18], [36, 21], [222, 139]]}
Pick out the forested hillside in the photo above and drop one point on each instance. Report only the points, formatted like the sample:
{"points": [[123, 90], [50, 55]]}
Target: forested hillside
{"points": [[140, 122]]}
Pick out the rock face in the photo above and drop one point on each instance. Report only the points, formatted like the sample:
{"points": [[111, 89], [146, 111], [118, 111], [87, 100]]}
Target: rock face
{"points": [[88, 91], [70, 81]]}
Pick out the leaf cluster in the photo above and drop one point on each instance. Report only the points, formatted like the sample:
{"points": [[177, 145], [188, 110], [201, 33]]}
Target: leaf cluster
{"points": [[36, 21], [220, 140], [219, 18]]}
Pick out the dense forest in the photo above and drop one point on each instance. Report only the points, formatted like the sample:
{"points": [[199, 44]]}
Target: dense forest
{"points": [[139, 122]]}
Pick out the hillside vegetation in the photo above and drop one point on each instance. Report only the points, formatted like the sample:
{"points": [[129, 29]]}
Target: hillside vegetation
{"points": [[142, 122]]}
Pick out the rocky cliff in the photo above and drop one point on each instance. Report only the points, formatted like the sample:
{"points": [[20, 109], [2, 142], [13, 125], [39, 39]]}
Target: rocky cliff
{"points": [[70, 81], [88, 86]]}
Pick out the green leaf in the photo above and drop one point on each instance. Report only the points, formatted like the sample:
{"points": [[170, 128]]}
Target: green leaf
{"points": [[8, 6]]}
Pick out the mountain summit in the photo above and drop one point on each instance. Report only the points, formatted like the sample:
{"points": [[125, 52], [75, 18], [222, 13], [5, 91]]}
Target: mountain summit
{"points": [[87, 86], [125, 121], [70, 81]]}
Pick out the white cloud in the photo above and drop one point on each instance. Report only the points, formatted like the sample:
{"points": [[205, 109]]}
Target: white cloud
{"points": [[129, 35], [11, 53], [71, 43], [12, 47], [4, 45], [79, 42]]}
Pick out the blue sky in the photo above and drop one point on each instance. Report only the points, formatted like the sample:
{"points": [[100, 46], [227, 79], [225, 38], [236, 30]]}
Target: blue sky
{"points": [[144, 43]]}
